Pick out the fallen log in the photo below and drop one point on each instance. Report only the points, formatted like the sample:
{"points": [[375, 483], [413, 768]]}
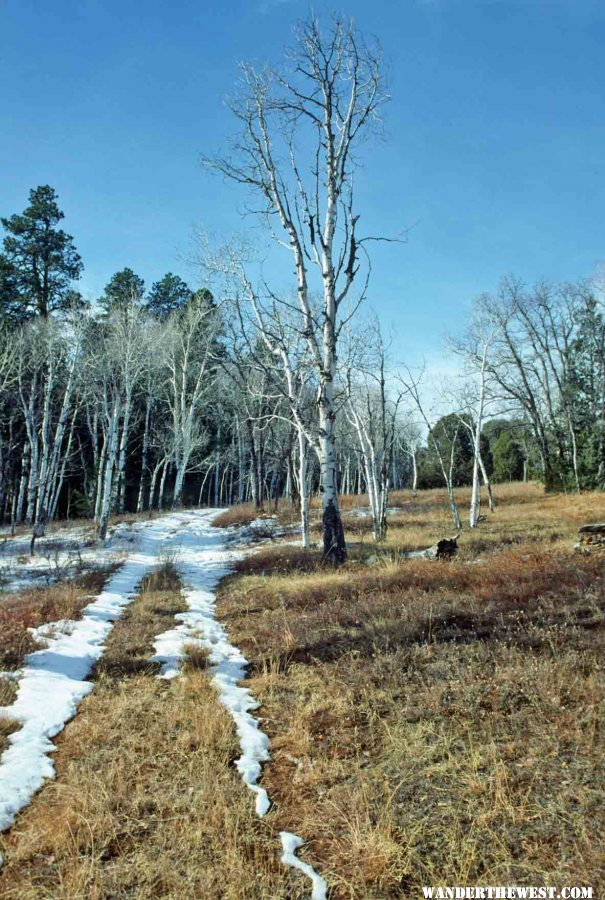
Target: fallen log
{"points": [[595, 528], [443, 549], [592, 537]]}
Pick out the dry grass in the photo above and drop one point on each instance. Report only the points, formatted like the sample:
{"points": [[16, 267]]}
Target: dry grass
{"points": [[8, 692], [436, 722], [29, 609], [146, 801], [239, 514], [431, 722]]}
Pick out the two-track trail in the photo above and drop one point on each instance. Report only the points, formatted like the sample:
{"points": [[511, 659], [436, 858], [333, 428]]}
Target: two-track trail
{"points": [[55, 678]]}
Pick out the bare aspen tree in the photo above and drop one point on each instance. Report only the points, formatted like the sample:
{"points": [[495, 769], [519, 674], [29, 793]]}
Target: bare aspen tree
{"points": [[409, 439], [188, 359], [296, 151], [277, 350], [531, 362], [116, 353], [372, 414], [475, 349], [47, 364], [446, 465]]}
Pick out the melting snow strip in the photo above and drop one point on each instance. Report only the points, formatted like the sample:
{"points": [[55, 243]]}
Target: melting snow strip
{"points": [[290, 844], [203, 561], [53, 681]]}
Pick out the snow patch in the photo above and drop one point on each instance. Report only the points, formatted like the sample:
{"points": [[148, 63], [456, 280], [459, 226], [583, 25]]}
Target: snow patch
{"points": [[203, 561], [53, 680], [290, 844]]}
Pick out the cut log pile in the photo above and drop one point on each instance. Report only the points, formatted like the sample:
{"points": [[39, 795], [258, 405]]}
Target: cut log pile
{"points": [[592, 537]]}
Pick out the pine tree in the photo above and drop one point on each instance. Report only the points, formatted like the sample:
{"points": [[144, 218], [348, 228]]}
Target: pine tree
{"points": [[39, 262], [123, 289], [168, 294]]}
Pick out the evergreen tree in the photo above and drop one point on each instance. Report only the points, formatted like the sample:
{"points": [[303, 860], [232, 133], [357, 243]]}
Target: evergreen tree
{"points": [[10, 303], [508, 457], [445, 431], [508, 442], [39, 262], [168, 294], [123, 289]]}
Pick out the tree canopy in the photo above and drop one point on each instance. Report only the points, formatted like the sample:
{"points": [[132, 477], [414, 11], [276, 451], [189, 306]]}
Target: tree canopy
{"points": [[39, 262]]}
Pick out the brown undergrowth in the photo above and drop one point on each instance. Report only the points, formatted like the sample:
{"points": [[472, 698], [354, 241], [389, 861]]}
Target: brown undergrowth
{"points": [[38, 606], [436, 722], [146, 802], [25, 610], [431, 722]]}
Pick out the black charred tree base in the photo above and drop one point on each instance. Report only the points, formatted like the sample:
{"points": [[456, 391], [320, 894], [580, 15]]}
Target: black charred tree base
{"points": [[335, 550]]}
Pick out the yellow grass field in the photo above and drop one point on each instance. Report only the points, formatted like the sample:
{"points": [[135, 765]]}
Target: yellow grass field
{"points": [[431, 722]]}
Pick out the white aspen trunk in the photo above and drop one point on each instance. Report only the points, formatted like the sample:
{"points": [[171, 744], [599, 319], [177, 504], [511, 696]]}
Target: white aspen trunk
{"points": [[120, 483], [371, 468], [475, 507], [574, 452], [304, 489], [221, 494], [178, 485], [14, 512], [163, 484], [333, 532], [414, 472], [32, 483], [450, 485], [153, 483], [476, 488], [54, 500], [55, 468], [241, 478], [42, 477], [203, 485], [108, 475], [144, 457], [335, 550], [100, 472], [19, 513], [488, 484], [217, 466]]}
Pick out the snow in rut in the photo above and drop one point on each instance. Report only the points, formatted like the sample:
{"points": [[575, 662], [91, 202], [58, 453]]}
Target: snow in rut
{"points": [[203, 561], [53, 680]]}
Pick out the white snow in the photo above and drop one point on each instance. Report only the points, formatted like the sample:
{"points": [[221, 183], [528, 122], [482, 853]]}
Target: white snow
{"points": [[59, 555], [52, 681], [290, 844], [202, 562]]}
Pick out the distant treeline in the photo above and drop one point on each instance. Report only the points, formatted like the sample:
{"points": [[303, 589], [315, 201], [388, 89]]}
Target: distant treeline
{"points": [[159, 397]]}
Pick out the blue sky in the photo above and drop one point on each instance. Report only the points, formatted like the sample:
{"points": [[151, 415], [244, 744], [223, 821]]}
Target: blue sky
{"points": [[494, 155]]}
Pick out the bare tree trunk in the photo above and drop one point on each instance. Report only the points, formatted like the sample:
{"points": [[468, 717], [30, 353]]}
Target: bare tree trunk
{"points": [[204, 480], [120, 484], [107, 491], [303, 489], [144, 457], [217, 467], [254, 466], [413, 454], [488, 484], [240, 463], [19, 513], [163, 484]]}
